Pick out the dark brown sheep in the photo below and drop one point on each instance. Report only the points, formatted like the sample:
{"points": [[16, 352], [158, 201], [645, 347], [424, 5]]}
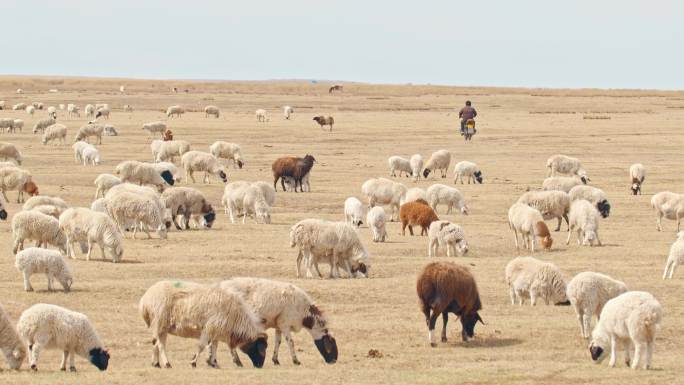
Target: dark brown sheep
{"points": [[443, 288], [167, 135], [325, 121], [293, 167], [416, 213], [336, 87]]}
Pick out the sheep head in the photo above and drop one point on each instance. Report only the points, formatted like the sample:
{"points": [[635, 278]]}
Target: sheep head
{"points": [[100, 358], [604, 208], [478, 176], [256, 350], [468, 322], [327, 346], [3, 214], [636, 188]]}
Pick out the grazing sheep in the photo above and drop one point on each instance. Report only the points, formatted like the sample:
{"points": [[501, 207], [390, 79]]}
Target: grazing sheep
{"points": [[287, 309], [446, 235], [417, 213], [37, 105], [233, 199], [594, 195], [294, 167], [584, 218], [52, 111], [325, 121], [551, 204], [469, 170], [413, 194], [267, 190], [62, 106], [669, 205], [42, 124], [439, 193], [16, 179], [89, 110], [99, 206], [72, 111], [45, 326], [211, 110], [353, 211], [207, 313], [88, 130], [531, 278], [288, 111], [7, 123], [376, 222], [9, 151], [110, 130], [91, 155], [261, 115], [103, 112], [55, 132], [530, 224], [443, 288], [563, 164], [50, 210], [174, 110], [630, 319], [588, 292], [562, 183], [203, 161], [153, 127], [128, 208], [83, 225], [416, 163], [17, 125], [439, 160], [169, 150], [3, 212], [34, 260], [381, 191], [675, 257], [33, 225], [30, 110], [11, 345], [397, 163], [133, 171], [637, 172], [44, 200], [127, 108], [188, 202], [230, 151], [103, 183], [336, 87], [19, 106], [78, 150], [254, 205]]}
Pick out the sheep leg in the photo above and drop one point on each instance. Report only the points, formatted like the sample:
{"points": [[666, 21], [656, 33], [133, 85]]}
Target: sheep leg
{"points": [[72, 365], [65, 356], [5, 196], [290, 345], [431, 244], [90, 250], [673, 268], [309, 262], [638, 353], [560, 220], [161, 345], [659, 217], [431, 328], [567, 221], [27, 281], [236, 358], [276, 346], [532, 239], [50, 279], [192, 177], [211, 360], [586, 324], [567, 242], [102, 251], [299, 261], [649, 353], [445, 318], [34, 351], [515, 235], [201, 344], [512, 295], [613, 351], [410, 230], [598, 240], [580, 237]]}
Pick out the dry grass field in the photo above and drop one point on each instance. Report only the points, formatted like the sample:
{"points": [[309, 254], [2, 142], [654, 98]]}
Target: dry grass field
{"points": [[518, 130]]}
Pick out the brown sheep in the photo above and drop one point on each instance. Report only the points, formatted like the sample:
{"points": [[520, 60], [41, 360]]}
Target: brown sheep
{"points": [[294, 167], [543, 231], [416, 213], [336, 87], [31, 188], [167, 135], [443, 288], [325, 121]]}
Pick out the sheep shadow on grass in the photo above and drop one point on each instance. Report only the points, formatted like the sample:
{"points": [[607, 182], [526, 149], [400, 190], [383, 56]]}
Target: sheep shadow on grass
{"points": [[485, 342]]}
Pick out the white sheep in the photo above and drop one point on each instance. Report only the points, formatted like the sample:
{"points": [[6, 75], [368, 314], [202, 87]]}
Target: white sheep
{"points": [[397, 163], [202, 161], [563, 164], [254, 205], [439, 160], [34, 260], [45, 326], [19, 106], [531, 278], [88, 130], [376, 222], [288, 111], [230, 151], [50, 210], [6, 123], [592, 194], [42, 124], [268, 191], [413, 194], [153, 127], [233, 198], [110, 130], [30, 110], [416, 163], [353, 211], [99, 205], [637, 172], [675, 257], [20, 91], [78, 150], [18, 125], [127, 108], [562, 183], [211, 110], [11, 345], [62, 106], [34, 225], [384, 192], [290, 183], [551, 204], [588, 292], [170, 149], [190, 203], [261, 115], [174, 110], [14, 179], [133, 171], [530, 224], [89, 110], [584, 218], [41, 200], [72, 111], [669, 205], [469, 170], [9, 151], [91, 155], [170, 167], [104, 182], [103, 112], [631, 319], [55, 132], [446, 235], [439, 193], [141, 209], [86, 226]]}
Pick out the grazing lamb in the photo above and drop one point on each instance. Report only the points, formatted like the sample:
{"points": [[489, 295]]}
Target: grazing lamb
{"points": [[86, 226], [133, 171], [531, 278], [42, 228], [294, 167], [128, 208], [417, 213], [16, 179], [443, 288], [167, 151], [208, 313], [254, 205], [44, 326], [34, 260], [551, 204], [78, 150], [353, 211], [230, 151], [446, 235], [588, 292], [439, 160], [11, 345], [637, 172], [413, 194], [469, 170], [88, 130], [290, 183], [42, 124], [103, 183], [91, 155], [325, 121], [188, 202], [397, 163], [630, 319], [267, 190], [584, 218], [211, 110], [9, 151], [174, 110], [55, 132], [594, 195], [261, 115], [233, 198], [530, 224], [675, 257], [562, 183], [563, 164], [669, 205], [416, 163], [19, 106], [439, 193], [381, 191], [376, 222], [288, 111], [203, 161], [153, 127]]}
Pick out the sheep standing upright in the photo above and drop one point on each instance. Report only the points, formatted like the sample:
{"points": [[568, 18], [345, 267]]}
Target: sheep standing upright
{"points": [[10, 151], [176, 111], [325, 121], [188, 202], [288, 112], [34, 225], [637, 172], [675, 257], [55, 132], [588, 292], [669, 205], [439, 160], [11, 345], [254, 205], [261, 115], [88, 130], [153, 127], [439, 193], [384, 192], [594, 195], [397, 163], [551, 204], [293, 167], [212, 111], [416, 162], [563, 164], [86, 226], [230, 151]]}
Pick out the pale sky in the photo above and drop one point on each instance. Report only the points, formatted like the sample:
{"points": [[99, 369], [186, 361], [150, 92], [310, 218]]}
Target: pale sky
{"points": [[545, 43]]}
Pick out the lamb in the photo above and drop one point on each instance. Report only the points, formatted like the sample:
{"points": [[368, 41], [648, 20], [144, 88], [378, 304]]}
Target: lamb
{"points": [[128, 208], [169, 150], [91, 155], [110, 130], [72, 111], [10, 343], [325, 121], [44, 200], [86, 226], [631, 319], [439, 160], [675, 257], [230, 151], [584, 218], [397, 163], [30, 110], [443, 288], [202, 161], [233, 199], [638, 173], [34, 260], [207, 313], [16, 179], [469, 170], [413, 194], [89, 110], [446, 235], [439, 193], [594, 195], [211, 110], [551, 204], [416, 162], [669, 205], [261, 115], [33, 225], [143, 173], [293, 167], [103, 112], [9, 151], [78, 150], [7, 123], [376, 222], [18, 125], [103, 183], [531, 278], [290, 183], [353, 211], [588, 292], [384, 192], [188, 202], [254, 205], [562, 183], [563, 164], [55, 132], [174, 110], [88, 130], [287, 309], [42, 124], [288, 111], [44, 326], [153, 127], [416, 213], [530, 224]]}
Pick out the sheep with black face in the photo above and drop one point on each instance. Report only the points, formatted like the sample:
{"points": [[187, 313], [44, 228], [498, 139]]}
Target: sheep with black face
{"points": [[469, 170]]}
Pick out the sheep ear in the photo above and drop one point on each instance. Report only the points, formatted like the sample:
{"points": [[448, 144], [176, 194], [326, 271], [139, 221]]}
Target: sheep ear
{"points": [[480, 319]]}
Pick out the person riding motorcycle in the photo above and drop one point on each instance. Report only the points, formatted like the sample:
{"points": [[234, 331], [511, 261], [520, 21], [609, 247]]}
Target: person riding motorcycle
{"points": [[466, 113]]}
